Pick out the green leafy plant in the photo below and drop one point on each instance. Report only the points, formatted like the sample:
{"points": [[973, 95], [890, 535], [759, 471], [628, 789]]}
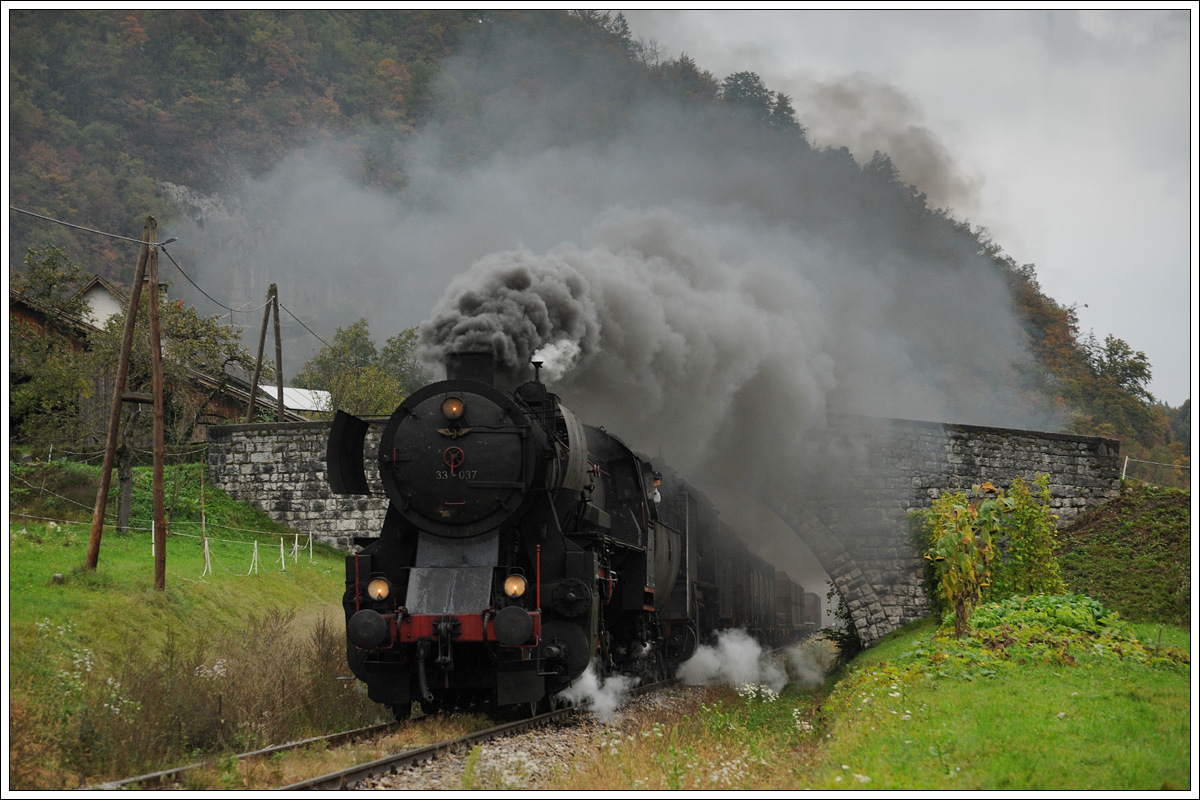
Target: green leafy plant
{"points": [[1027, 564], [1072, 611], [963, 551], [845, 636], [988, 545]]}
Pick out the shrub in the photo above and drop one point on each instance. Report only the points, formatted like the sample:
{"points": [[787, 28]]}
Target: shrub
{"points": [[989, 547], [845, 636], [963, 551], [1027, 564]]}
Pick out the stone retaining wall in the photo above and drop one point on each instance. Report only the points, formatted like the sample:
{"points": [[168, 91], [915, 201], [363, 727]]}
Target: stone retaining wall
{"points": [[851, 512], [874, 472], [280, 468]]}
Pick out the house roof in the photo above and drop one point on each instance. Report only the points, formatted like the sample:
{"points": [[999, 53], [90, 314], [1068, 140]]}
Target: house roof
{"points": [[238, 390], [115, 290]]}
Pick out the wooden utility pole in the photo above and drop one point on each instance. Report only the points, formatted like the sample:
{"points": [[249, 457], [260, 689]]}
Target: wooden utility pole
{"points": [[149, 234], [278, 356], [262, 341], [160, 514]]}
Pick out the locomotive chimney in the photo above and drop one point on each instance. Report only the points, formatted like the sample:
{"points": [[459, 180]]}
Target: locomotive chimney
{"points": [[472, 366]]}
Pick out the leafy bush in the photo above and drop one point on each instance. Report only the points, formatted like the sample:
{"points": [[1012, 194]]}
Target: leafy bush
{"points": [[845, 636], [993, 547], [1073, 611], [962, 549], [1027, 544]]}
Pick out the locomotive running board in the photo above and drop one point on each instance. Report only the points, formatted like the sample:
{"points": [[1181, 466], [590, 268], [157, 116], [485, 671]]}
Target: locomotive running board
{"points": [[344, 455]]}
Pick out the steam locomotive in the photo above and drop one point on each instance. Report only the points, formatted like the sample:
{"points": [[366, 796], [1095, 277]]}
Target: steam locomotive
{"points": [[520, 545]]}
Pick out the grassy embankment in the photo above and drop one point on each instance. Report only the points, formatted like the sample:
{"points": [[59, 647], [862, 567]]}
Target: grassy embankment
{"points": [[110, 678], [1065, 698]]}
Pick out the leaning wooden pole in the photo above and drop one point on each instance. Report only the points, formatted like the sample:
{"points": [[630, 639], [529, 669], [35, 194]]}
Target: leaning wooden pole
{"points": [[149, 234], [278, 356], [160, 512], [262, 341]]}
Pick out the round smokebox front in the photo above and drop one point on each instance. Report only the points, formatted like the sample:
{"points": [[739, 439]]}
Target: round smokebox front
{"points": [[456, 463]]}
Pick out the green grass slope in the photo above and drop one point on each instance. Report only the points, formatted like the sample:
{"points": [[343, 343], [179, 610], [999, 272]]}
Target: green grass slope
{"points": [[1028, 708], [1134, 554], [109, 677]]}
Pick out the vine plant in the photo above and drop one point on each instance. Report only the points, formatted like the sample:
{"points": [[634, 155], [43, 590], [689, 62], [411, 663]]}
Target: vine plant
{"points": [[965, 526]]}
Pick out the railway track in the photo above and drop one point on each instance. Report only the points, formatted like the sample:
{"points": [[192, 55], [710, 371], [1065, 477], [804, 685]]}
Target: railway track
{"points": [[351, 776], [156, 780]]}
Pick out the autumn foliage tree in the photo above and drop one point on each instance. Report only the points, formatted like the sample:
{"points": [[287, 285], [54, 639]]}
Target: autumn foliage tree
{"points": [[109, 107], [49, 367], [197, 353], [361, 379]]}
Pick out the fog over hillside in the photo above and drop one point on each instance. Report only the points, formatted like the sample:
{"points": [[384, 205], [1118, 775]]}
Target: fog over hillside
{"points": [[703, 288]]}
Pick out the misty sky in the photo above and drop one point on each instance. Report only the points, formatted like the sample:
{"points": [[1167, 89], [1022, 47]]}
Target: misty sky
{"points": [[1066, 133]]}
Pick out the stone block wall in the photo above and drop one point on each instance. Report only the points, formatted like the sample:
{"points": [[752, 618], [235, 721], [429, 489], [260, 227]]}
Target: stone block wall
{"points": [[851, 511], [877, 471], [280, 468]]}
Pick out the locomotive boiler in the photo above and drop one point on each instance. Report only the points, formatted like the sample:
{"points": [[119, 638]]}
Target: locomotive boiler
{"points": [[520, 545]]}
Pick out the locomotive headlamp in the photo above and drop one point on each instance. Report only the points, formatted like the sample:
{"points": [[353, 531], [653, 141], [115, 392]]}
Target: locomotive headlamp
{"points": [[452, 408], [379, 589], [514, 585]]}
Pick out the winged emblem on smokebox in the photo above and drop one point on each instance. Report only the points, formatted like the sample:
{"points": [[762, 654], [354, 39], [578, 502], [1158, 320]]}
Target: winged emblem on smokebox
{"points": [[454, 433]]}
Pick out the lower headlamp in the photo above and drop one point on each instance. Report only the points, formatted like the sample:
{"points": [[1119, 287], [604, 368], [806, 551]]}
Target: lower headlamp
{"points": [[379, 589], [514, 586]]}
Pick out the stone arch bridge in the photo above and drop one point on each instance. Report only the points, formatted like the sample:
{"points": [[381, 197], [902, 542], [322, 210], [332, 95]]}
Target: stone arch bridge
{"points": [[875, 472]]}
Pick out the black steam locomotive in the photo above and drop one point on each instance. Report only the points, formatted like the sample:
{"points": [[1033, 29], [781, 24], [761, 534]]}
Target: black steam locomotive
{"points": [[520, 545]]}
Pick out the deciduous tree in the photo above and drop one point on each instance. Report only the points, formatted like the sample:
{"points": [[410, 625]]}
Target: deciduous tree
{"points": [[360, 379]]}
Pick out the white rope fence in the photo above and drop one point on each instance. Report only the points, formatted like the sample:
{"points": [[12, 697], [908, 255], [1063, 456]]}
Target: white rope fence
{"points": [[207, 540], [203, 534], [1125, 466]]}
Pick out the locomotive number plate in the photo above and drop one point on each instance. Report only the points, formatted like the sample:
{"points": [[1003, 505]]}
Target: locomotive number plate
{"points": [[462, 474]]}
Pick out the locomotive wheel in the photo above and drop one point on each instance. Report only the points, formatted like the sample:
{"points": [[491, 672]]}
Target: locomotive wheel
{"points": [[401, 711]]}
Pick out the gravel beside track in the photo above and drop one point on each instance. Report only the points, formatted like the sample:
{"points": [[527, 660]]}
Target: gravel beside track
{"points": [[530, 760]]}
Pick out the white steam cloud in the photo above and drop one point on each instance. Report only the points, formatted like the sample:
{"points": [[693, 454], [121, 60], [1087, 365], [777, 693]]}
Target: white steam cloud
{"points": [[557, 358], [604, 694], [735, 659], [811, 659]]}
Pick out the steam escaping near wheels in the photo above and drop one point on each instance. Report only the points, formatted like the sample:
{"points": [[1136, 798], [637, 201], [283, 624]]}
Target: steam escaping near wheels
{"points": [[734, 660], [605, 694]]}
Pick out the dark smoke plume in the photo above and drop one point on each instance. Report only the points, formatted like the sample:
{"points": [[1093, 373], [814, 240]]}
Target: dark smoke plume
{"points": [[706, 289]]}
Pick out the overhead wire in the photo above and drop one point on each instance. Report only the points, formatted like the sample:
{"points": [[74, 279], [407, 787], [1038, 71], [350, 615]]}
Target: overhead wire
{"points": [[90, 230], [310, 330], [162, 246]]}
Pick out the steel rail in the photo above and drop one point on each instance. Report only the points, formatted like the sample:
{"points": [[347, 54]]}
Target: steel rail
{"points": [[349, 777], [163, 776]]}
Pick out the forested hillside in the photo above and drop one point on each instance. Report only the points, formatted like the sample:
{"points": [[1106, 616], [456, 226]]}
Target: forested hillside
{"points": [[118, 114]]}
